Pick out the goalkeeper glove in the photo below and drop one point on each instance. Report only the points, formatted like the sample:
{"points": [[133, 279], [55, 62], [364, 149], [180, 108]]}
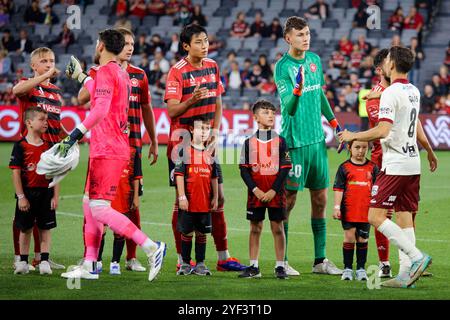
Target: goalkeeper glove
{"points": [[74, 70], [337, 128], [299, 80], [69, 141]]}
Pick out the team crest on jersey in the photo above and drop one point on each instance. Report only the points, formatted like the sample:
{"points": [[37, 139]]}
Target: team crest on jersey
{"points": [[31, 167], [134, 82], [313, 67], [374, 191]]}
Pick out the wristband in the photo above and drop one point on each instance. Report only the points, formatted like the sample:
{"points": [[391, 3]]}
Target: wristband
{"points": [[337, 207], [20, 196], [334, 123], [181, 198], [254, 189]]}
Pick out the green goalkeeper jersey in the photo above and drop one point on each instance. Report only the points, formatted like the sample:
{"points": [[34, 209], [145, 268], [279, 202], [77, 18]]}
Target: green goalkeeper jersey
{"points": [[301, 123]]}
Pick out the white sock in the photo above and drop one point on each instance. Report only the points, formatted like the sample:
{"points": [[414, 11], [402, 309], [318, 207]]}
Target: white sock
{"points": [[180, 259], [254, 263], [149, 246], [223, 255], [16, 258], [404, 260], [385, 263], [279, 264], [396, 235]]}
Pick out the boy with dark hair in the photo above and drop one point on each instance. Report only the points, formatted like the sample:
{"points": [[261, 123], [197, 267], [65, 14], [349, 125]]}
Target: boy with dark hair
{"points": [[36, 203], [196, 178], [194, 89], [352, 186], [264, 167]]}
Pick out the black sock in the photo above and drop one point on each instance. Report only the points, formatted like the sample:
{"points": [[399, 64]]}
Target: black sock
{"points": [[100, 250], [186, 248], [200, 247], [361, 255], [318, 260], [348, 250], [118, 244], [24, 257], [44, 256]]}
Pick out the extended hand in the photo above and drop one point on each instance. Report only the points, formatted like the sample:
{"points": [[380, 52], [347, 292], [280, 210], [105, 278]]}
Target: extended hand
{"points": [[74, 70]]}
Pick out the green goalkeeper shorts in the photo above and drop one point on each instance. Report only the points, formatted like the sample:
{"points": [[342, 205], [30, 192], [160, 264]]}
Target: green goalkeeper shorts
{"points": [[309, 168]]}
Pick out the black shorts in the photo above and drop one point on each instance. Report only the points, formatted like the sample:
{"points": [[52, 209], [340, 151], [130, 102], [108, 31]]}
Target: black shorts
{"points": [[194, 221], [39, 212], [362, 228], [259, 214], [172, 181]]}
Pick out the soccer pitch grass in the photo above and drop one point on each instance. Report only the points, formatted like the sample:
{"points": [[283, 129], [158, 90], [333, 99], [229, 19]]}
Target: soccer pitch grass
{"points": [[432, 234]]}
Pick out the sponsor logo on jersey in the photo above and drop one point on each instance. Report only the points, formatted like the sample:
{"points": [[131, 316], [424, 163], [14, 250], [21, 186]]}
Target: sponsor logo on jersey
{"points": [[31, 167], [411, 149], [134, 82], [49, 108], [313, 67], [172, 87], [312, 88], [358, 183]]}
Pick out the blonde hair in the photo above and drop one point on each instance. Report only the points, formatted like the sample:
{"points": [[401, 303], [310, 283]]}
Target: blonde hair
{"points": [[40, 51]]}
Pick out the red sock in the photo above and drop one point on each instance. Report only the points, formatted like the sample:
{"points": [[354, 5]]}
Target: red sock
{"points": [[37, 239], [383, 242], [219, 229], [176, 233], [16, 235], [135, 217]]}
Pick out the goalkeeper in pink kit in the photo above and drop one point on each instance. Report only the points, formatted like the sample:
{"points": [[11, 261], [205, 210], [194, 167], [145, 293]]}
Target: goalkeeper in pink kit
{"points": [[109, 155]]}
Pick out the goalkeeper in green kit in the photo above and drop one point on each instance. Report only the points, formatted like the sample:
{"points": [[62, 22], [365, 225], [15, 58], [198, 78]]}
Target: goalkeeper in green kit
{"points": [[299, 79]]}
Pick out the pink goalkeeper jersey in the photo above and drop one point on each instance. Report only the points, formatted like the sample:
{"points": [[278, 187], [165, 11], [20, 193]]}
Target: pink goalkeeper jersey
{"points": [[109, 111]]}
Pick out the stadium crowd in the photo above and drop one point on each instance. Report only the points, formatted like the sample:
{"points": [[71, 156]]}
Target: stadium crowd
{"points": [[246, 74]]}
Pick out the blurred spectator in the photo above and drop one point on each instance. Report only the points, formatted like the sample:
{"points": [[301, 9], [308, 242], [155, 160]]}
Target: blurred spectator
{"points": [[155, 74], [445, 77], [342, 104], [338, 60], [360, 18], [157, 8], [266, 72], [8, 42], [4, 17], [157, 42], [158, 58], [354, 82], [428, 99], [258, 27], [246, 69], [5, 63], [447, 56], [175, 49], [33, 13], [8, 6], [356, 57], [233, 79], [441, 106], [120, 8], [183, 16], [188, 4], [425, 4], [160, 87], [414, 74], [414, 20], [50, 18], [439, 88], [345, 46], [239, 28], [145, 65], [65, 37], [123, 22], [366, 68], [172, 7], [268, 87], [396, 41], [198, 17], [214, 45], [138, 8], [350, 96], [255, 79], [364, 46], [8, 97], [396, 20], [141, 46], [24, 44], [275, 30], [318, 10], [226, 65]]}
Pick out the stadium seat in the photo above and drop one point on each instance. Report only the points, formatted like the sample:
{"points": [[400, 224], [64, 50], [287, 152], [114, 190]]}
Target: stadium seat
{"points": [[407, 35], [165, 21], [250, 93], [326, 34], [330, 23], [234, 44], [293, 4], [287, 13], [149, 21], [233, 93], [337, 13], [251, 43], [355, 33], [315, 24]]}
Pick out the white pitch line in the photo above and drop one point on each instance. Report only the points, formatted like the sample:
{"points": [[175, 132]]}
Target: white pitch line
{"points": [[76, 215]]}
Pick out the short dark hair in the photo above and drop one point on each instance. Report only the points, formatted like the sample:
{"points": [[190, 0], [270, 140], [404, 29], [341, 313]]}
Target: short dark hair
{"points": [[403, 58], [379, 57], [189, 31], [263, 104], [31, 112], [201, 118], [294, 22], [114, 40]]}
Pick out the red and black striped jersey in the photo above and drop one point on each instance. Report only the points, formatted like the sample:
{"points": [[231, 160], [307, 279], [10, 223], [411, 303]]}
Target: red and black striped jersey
{"points": [[355, 181], [181, 82], [140, 98], [373, 108], [197, 168], [265, 153], [47, 97], [25, 156]]}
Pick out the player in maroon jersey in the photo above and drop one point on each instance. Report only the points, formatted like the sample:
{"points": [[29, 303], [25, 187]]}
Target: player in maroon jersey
{"points": [[39, 91], [264, 166], [194, 89], [36, 202], [352, 190]]}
